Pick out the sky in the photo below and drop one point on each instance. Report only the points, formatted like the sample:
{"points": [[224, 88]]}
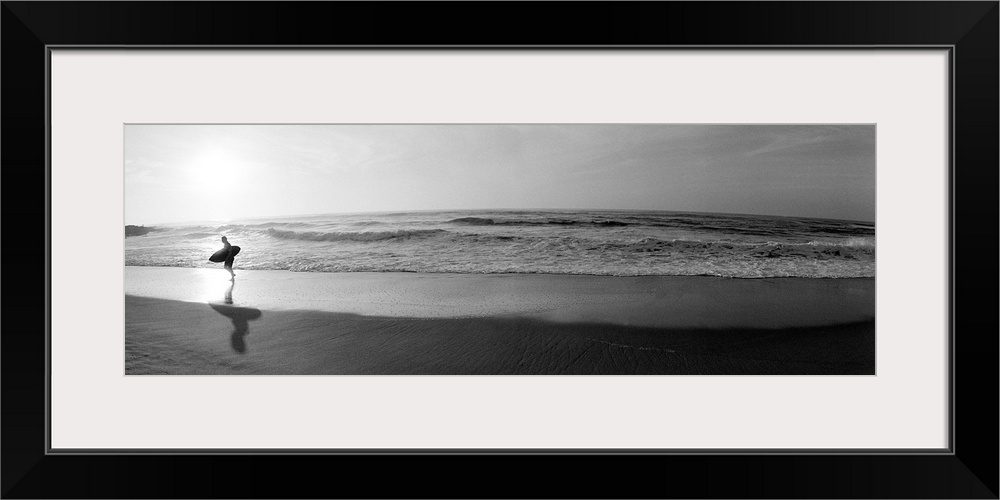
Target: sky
{"points": [[194, 173]]}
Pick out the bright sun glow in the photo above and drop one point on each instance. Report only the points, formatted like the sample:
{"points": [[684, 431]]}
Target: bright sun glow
{"points": [[218, 177]]}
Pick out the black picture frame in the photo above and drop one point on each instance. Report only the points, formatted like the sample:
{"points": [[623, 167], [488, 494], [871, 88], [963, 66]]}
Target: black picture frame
{"points": [[970, 29]]}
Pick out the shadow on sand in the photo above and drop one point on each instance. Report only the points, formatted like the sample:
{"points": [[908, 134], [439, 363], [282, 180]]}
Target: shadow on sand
{"points": [[241, 316]]}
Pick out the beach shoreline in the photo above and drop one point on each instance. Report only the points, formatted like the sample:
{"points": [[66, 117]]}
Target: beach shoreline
{"points": [[195, 321]]}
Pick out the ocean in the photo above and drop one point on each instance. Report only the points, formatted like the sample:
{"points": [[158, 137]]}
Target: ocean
{"points": [[587, 242]]}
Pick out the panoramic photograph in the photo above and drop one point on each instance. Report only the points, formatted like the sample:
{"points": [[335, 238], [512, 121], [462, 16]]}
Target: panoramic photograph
{"points": [[496, 249]]}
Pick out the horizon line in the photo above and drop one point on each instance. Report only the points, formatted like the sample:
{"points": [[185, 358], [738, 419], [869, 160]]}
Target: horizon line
{"points": [[317, 214]]}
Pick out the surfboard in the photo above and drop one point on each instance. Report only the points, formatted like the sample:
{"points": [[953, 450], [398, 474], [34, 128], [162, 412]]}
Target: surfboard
{"points": [[221, 255]]}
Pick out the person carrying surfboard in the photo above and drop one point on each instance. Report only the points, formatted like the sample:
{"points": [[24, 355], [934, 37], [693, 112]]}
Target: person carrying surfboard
{"points": [[226, 255], [228, 265]]}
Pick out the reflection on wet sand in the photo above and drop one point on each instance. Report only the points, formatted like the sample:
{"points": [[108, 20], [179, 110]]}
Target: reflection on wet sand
{"points": [[241, 316]]}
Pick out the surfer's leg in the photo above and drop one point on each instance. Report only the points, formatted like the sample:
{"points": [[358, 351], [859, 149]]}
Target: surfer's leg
{"points": [[229, 267]]}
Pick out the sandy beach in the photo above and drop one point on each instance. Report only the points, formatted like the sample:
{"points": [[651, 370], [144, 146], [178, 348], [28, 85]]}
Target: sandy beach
{"points": [[195, 321]]}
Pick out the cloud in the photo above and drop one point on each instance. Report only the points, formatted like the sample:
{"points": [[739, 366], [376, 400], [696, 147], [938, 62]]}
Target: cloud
{"points": [[784, 142], [134, 177]]}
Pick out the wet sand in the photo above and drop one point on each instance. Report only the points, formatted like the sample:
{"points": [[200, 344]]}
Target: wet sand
{"points": [[195, 321]]}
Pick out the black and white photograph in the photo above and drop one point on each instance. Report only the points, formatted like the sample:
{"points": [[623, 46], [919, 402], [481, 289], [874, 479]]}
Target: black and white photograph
{"points": [[500, 249]]}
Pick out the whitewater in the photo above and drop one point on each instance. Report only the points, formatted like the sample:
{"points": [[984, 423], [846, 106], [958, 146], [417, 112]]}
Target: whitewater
{"points": [[586, 242]]}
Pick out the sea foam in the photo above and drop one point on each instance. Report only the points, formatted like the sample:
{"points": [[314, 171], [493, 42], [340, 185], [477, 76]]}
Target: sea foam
{"points": [[620, 243]]}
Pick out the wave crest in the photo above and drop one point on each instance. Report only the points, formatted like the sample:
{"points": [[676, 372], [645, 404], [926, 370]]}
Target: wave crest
{"points": [[473, 221], [352, 236], [485, 221]]}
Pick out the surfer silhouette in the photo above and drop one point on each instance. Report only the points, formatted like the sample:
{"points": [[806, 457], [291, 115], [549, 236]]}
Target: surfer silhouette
{"points": [[229, 259], [226, 255]]}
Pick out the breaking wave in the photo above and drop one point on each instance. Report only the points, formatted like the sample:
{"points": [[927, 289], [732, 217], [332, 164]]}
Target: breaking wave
{"points": [[625, 243], [352, 236]]}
